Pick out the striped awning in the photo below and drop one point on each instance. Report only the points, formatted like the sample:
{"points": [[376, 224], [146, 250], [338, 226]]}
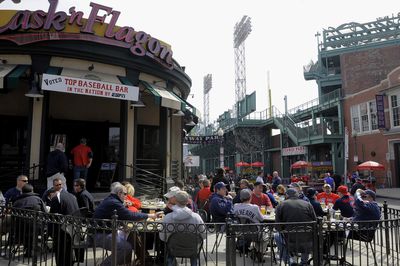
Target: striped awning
{"points": [[10, 75], [164, 97]]}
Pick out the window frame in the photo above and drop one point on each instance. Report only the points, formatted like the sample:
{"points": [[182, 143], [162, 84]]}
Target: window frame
{"points": [[394, 93], [356, 109]]}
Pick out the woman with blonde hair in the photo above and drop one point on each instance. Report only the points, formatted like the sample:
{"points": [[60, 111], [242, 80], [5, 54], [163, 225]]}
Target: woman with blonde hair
{"points": [[133, 204]]}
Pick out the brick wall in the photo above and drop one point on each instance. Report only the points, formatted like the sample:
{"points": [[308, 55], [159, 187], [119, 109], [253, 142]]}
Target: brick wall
{"points": [[374, 145], [364, 69]]}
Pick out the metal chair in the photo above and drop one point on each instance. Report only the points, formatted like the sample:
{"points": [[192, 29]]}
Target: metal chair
{"points": [[184, 245]]}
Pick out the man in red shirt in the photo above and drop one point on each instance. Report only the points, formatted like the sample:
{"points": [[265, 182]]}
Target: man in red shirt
{"points": [[83, 157], [258, 197], [327, 196]]}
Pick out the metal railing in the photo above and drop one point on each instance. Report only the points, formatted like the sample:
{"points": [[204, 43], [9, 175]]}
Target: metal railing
{"points": [[325, 99], [148, 182], [37, 238]]}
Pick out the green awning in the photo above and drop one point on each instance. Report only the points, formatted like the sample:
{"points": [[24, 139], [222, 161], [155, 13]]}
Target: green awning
{"points": [[163, 97], [10, 75]]}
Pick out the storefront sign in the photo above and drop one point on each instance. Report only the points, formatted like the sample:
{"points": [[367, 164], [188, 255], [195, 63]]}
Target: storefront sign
{"points": [[212, 139], [42, 26], [89, 87], [298, 150], [380, 111]]}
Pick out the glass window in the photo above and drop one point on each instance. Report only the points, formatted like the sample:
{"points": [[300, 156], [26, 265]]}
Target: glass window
{"points": [[395, 110], [373, 115], [113, 144], [364, 117], [354, 119]]}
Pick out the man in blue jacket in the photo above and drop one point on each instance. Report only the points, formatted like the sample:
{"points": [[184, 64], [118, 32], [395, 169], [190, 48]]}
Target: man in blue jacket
{"points": [[115, 201], [221, 204], [365, 209]]}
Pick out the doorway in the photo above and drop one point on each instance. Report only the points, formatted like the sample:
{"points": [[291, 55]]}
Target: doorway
{"points": [[102, 138]]}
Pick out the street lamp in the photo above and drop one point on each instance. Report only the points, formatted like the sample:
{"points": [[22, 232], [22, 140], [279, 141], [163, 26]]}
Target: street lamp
{"points": [[220, 133]]}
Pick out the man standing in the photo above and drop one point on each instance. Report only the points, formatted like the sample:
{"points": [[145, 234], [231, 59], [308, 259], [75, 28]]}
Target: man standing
{"points": [[294, 210], [84, 198], [221, 205], [57, 165], [329, 180], [276, 180], [260, 178], [13, 193], [63, 203], [183, 215], [220, 177], [83, 157]]}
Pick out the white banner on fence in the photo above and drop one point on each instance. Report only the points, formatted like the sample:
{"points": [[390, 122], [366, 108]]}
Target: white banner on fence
{"points": [[191, 161], [294, 150], [89, 87]]}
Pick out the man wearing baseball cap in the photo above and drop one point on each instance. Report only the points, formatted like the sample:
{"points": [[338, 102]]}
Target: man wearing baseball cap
{"points": [[344, 203], [294, 210], [365, 206], [221, 204], [327, 196], [170, 195], [365, 209]]}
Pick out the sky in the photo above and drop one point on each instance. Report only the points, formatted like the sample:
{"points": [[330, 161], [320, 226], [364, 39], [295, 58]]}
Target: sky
{"points": [[282, 40]]}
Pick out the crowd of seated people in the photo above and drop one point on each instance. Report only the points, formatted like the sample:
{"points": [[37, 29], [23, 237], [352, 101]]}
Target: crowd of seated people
{"points": [[217, 197]]}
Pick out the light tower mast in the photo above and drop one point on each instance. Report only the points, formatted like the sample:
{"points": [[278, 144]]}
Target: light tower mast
{"points": [[241, 31], [207, 85]]}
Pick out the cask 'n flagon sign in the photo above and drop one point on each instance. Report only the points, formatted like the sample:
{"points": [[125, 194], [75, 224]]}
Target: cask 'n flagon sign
{"points": [[25, 26]]}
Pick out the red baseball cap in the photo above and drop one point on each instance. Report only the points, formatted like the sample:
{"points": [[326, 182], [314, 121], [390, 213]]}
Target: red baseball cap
{"points": [[343, 189]]}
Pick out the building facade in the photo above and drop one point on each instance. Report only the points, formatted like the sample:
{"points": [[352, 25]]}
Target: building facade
{"points": [[65, 77], [362, 61]]}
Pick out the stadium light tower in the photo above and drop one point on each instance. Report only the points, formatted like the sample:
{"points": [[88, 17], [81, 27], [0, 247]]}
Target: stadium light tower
{"points": [[207, 85], [241, 31]]}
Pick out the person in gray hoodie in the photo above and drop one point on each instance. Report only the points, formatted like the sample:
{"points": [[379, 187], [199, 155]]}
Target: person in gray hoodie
{"points": [[180, 215]]}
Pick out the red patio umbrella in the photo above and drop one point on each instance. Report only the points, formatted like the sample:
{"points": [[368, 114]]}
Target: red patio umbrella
{"points": [[241, 163], [257, 164], [370, 165], [300, 164]]}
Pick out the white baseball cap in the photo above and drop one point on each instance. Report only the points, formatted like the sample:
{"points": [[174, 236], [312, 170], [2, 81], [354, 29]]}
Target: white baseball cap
{"points": [[172, 192]]}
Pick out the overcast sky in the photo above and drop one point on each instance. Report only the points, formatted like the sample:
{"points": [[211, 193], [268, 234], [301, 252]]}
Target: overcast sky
{"points": [[201, 35]]}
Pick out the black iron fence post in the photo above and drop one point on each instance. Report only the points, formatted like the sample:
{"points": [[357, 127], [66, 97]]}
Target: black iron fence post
{"points": [[386, 217], [318, 242], [114, 238], [35, 234], [230, 244]]}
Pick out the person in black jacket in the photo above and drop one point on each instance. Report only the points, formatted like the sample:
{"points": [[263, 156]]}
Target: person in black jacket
{"points": [[63, 203], [115, 201], [220, 177], [84, 198], [24, 227], [57, 165], [312, 196]]}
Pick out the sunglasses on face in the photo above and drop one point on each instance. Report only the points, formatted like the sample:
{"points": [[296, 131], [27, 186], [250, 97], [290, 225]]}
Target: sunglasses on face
{"points": [[25, 180], [57, 185]]}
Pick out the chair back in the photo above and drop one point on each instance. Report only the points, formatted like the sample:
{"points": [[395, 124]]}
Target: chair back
{"points": [[184, 244], [203, 214], [248, 231]]}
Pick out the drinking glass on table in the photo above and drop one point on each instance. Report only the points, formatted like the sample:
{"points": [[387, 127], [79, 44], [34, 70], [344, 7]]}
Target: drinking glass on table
{"points": [[263, 210]]}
